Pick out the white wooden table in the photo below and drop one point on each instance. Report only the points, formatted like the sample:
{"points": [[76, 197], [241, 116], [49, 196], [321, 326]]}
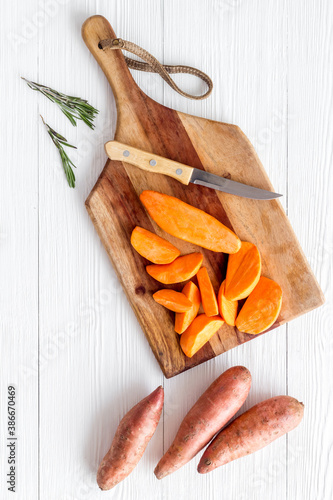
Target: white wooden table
{"points": [[70, 343]]}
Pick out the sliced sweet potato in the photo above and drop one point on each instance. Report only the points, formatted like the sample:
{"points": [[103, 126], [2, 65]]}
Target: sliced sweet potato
{"points": [[189, 223], [243, 272], [208, 297], [227, 308], [183, 320], [153, 247], [199, 332], [175, 301], [181, 269], [261, 308]]}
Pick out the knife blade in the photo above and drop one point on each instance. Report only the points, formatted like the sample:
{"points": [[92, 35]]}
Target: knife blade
{"points": [[183, 173]]}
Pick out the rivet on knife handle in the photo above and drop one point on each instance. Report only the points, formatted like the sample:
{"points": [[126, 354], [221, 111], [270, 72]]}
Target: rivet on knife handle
{"points": [[149, 162]]}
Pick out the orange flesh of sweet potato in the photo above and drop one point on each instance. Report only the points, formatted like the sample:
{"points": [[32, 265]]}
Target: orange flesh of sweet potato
{"points": [[181, 269], [253, 430], [261, 308], [183, 320], [175, 301], [243, 272], [215, 407], [198, 333], [208, 297], [153, 247], [130, 441], [189, 223], [228, 308]]}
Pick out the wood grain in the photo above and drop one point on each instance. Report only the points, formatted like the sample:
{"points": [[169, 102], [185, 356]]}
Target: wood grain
{"points": [[224, 150]]}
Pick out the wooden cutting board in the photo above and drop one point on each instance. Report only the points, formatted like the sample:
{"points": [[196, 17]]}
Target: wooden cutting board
{"points": [[220, 148]]}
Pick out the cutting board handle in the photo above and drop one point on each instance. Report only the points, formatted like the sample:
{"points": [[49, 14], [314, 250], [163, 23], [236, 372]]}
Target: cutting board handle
{"points": [[112, 62]]}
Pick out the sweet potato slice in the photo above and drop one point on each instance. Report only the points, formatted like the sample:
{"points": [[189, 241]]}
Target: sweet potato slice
{"points": [[181, 269], [227, 308], [208, 297], [175, 301], [261, 308], [243, 272], [199, 332], [183, 320], [189, 223], [153, 247]]}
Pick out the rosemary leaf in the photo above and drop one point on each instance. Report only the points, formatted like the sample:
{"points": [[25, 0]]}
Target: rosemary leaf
{"points": [[74, 108], [59, 141]]}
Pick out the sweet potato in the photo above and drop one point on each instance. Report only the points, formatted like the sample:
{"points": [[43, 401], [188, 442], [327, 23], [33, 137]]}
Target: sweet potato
{"points": [[208, 297], [228, 308], [183, 320], [189, 223], [130, 441], [215, 407], [261, 308], [175, 301], [153, 247], [181, 269], [198, 333], [253, 430], [243, 272]]}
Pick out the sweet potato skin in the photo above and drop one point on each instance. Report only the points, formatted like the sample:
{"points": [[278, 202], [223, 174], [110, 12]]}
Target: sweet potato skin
{"points": [[215, 407], [253, 430], [189, 223], [131, 439]]}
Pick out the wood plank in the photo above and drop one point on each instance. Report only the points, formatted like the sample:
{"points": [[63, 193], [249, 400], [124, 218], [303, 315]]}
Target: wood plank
{"points": [[19, 246], [145, 124], [310, 340]]}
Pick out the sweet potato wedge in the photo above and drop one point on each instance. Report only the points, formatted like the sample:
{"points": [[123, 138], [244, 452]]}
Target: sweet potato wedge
{"points": [[175, 301], [189, 223], [183, 320], [253, 430], [208, 297], [261, 308], [198, 333], [130, 441], [215, 407], [243, 272], [181, 269], [227, 308], [153, 247]]}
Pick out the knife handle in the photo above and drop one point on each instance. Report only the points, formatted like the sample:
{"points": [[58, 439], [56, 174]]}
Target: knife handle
{"points": [[148, 161]]}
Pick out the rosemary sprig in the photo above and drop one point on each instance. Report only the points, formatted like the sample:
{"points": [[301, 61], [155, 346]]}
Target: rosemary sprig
{"points": [[74, 108], [67, 163]]}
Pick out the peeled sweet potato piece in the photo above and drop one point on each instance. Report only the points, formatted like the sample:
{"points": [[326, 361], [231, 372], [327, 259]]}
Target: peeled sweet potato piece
{"points": [[208, 297], [261, 308], [227, 308], [175, 301], [243, 272], [189, 223], [153, 247], [183, 320], [198, 333], [181, 269]]}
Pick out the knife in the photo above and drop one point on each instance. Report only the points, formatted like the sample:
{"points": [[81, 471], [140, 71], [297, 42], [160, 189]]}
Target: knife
{"points": [[183, 173]]}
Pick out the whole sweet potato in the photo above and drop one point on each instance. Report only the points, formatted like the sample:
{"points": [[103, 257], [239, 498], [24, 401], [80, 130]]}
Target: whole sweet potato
{"points": [[130, 441], [253, 430], [214, 408]]}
